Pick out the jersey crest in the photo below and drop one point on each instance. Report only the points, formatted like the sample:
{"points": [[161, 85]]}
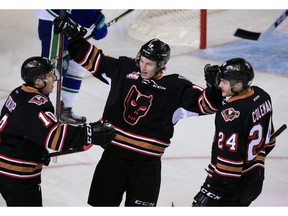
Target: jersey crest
{"points": [[136, 105], [230, 114], [38, 100]]}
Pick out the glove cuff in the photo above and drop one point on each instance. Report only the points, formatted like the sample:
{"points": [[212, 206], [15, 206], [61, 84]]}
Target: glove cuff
{"points": [[210, 192], [88, 133]]}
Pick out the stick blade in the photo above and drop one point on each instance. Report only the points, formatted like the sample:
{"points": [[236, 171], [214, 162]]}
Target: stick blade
{"points": [[247, 34]]}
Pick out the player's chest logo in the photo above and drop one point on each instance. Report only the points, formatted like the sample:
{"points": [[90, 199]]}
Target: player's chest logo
{"points": [[136, 105], [230, 114]]}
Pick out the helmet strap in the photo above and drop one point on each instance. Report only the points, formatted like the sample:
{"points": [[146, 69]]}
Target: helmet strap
{"points": [[39, 83], [244, 87], [233, 83], [158, 75]]}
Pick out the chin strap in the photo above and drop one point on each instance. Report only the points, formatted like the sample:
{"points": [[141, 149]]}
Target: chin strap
{"points": [[243, 90], [233, 83], [44, 80], [158, 75]]}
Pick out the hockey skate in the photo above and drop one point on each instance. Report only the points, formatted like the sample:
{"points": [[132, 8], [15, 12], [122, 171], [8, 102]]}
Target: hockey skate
{"points": [[67, 116]]}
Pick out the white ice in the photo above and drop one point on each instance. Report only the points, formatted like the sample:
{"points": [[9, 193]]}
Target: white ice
{"points": [[66, 183]]}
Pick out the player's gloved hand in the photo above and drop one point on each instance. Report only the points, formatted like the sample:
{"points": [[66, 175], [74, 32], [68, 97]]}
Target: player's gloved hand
{"points": [[210, 73], [69, 28], [98, 133], [100, 30], [45, 158], [207, 196]]}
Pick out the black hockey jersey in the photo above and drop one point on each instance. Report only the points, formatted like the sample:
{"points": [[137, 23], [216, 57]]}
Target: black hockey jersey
{"points": [[27, 127], [242, 140], [142, 111]]}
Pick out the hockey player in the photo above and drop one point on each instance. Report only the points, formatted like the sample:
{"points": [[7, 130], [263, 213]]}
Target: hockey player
{"points": [[143, 105], [72, 72], [242, 140], [28, 126]]}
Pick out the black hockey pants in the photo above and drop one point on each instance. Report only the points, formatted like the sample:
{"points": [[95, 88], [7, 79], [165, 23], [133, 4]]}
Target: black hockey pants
{"points": [[114, 176], [22, 194], [244, 195]]}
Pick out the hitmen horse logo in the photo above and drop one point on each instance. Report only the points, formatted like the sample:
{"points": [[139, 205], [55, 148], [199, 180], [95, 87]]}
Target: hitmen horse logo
{"points": [[230, 114]]}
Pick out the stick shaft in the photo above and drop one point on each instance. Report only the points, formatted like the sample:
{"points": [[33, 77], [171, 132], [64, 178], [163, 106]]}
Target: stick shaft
{"points": [[279, 131], [116, 19], [60, 68]]}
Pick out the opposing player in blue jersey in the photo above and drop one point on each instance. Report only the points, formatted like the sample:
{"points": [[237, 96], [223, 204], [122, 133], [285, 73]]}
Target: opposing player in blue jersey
{"points": [[72, 72]]}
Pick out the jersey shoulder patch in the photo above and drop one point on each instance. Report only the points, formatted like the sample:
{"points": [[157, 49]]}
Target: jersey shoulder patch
{"points": [[38, 100], [230, 114]]}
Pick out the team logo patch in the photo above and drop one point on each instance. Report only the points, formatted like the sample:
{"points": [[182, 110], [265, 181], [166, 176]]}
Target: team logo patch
{"points": [[136, 106], [181, 77], [134, 75], [230, 114], [38, 100]]}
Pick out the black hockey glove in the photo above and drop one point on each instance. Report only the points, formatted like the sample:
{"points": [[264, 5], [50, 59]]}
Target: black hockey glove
{"points": [[210, 73], [207, 196], [69, 28], [45, 158], [98, 133]]}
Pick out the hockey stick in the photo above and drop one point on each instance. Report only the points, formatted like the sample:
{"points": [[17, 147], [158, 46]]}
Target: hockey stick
{"points": [[60, 68], [113, 21], [258, 35], [116, 19], [279, 131], [70, 151], [60, 71]]}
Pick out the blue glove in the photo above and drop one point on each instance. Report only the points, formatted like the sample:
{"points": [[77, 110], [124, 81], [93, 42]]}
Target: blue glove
{"points": [[100, 30]]}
